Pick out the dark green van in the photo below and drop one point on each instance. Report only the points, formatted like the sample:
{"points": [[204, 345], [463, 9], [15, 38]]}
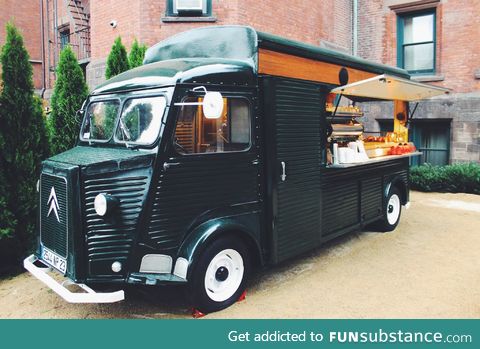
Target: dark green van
{"points": [[206, 162]]}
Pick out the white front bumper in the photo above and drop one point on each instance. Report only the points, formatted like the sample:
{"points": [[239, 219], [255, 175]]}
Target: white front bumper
{"points": [[90, 296]]}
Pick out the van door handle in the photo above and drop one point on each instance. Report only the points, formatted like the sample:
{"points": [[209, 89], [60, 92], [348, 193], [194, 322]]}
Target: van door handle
{"points": [[167, 165], [284, 175]]}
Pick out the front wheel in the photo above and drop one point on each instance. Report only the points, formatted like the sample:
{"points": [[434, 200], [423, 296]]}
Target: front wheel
{"points": [[392, 211], [218, 279]]}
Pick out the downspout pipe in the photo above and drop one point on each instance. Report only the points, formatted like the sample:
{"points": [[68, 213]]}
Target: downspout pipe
{"points": [[355, 27], [42, 38]]}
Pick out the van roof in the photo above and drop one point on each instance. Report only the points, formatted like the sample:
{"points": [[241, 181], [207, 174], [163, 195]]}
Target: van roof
{"points": [[223, 54], [173, 71]]}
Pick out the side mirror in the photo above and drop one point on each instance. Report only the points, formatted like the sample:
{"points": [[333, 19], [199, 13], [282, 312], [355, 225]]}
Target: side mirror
{"points": [[79, 115], [212, 105]]}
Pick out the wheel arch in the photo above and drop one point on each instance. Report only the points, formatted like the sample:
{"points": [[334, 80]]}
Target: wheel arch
{"points": [[398, 183], [203, 235]]}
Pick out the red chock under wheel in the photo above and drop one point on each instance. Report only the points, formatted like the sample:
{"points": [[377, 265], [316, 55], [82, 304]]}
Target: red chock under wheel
{"points": [[196, 314], [242, 296]]}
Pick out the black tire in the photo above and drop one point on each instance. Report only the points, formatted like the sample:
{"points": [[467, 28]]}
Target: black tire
{"points": [[390, 217], [211, 299]]}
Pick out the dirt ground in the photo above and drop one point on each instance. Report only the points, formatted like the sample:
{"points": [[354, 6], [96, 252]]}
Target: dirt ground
{"points": [[429, 267]]}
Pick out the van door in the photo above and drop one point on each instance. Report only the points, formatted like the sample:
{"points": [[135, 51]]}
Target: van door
{"points": [[295, 151], [210, 170]]}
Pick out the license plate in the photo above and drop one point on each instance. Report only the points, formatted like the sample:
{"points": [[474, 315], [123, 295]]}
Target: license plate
{"points": [[54, 260]]}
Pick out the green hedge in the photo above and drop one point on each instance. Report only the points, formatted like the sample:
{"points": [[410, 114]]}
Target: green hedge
{"points": [[457, 178]]}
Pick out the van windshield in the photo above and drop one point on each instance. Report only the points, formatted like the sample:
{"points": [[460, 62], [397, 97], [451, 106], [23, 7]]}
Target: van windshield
{"points": [[140, 120], [100, 120], [139, 124]]}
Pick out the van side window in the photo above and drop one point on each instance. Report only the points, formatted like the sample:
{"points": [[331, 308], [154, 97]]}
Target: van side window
{"points": [[195, 133]]}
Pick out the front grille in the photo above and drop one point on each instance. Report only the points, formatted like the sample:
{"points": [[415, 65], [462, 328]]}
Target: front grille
{"points": [[54, 213], [112, 239]]}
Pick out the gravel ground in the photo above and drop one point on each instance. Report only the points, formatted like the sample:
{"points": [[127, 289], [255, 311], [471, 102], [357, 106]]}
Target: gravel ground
{"points": [[429, 267]]}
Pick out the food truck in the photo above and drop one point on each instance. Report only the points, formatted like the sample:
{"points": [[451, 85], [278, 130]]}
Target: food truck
{"points": [[229, 149]]}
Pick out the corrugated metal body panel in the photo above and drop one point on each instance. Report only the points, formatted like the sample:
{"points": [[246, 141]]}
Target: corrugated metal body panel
{"points": [[197, 185], [340, 205], [298, 108], [354, 195], [371, 197], [111, 238]]}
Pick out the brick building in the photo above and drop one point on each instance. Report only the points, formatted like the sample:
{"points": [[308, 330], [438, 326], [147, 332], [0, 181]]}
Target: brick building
{"points": [[47, 26], [30, 25], [436, 40], [326, 23]]}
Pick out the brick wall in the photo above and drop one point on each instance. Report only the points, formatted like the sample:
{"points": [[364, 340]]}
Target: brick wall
{"points": [[305, 20], [458, 23], [460, 53], [127, 15], [325, 23], [25, 15]]}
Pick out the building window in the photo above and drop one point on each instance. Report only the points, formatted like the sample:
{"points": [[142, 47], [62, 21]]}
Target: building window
{"points": [[64, 37], [189, 8], [417, 42]]}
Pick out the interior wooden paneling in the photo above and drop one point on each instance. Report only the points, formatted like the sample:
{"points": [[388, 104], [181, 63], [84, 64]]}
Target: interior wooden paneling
{"points": [[185, 136], [289, 66]]}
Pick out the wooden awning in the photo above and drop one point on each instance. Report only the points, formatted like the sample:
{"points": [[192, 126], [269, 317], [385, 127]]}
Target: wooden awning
{"points": [[389, 87]]}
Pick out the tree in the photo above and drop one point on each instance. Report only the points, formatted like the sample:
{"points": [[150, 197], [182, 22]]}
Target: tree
{"points": [[68, 95], [24, 144], [117, 61], [137, 54]]}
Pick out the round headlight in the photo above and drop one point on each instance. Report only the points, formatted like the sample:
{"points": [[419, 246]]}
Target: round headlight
{"points": [[116, 267], [100, 204]]}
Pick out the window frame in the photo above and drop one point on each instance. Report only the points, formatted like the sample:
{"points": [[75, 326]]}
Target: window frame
{"points": [[64, 32], [120, 107], [119, 115], [400, 40], [246, 150], [170, 14]]}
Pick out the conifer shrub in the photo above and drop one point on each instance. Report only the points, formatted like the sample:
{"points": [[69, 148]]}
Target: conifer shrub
{"points": [[69, 93], [137, 54], [117, 60], [23, 145]]}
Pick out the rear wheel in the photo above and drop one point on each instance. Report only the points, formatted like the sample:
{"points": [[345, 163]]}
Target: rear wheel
{"points": [[392, 211], [218, 279]]}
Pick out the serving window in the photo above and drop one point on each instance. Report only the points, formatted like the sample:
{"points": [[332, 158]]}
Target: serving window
{"points": [[196, 134]]}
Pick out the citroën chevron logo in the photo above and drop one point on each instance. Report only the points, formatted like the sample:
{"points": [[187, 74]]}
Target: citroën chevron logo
{"points": [[53, 204]]}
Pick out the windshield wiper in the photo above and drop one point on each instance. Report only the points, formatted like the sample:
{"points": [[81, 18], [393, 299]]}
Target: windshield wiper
{"points": [[125, 133]]}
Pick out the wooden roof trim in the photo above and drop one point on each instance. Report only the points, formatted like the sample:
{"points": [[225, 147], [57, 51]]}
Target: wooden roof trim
{"points": [[290, 66]]}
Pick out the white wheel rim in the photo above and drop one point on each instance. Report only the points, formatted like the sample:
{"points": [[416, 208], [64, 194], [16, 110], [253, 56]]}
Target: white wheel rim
{"points": [[224, 275], [393, 209]]}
